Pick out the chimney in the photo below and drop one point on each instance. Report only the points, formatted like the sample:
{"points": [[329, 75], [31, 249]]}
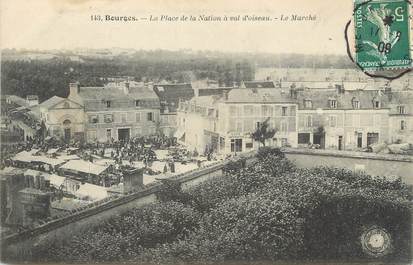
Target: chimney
{"points": [[74, 89]]}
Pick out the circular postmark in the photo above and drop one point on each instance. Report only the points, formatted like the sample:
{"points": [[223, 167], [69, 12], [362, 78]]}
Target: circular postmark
{"points": [[376, 242], [381, 38]]}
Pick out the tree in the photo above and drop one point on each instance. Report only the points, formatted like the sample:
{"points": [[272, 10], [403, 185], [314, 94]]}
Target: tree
{"points": [[263, 132]]}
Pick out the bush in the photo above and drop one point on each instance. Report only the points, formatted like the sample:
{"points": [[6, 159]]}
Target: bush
{"points": [[265, 152], [123, 237], [267, 210]]}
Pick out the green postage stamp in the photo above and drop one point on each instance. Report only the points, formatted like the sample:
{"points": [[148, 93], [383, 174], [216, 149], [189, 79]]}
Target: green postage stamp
{"points": [[382, 34]]}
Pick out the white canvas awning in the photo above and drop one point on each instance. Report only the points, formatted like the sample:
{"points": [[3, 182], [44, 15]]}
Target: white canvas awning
{"points": [[47, 160], [52, 151], [84, 166], [23, 156], [91, 192], [55, 180]]}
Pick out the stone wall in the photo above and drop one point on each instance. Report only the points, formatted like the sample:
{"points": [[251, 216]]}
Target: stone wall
{"points": [[373, 164]]}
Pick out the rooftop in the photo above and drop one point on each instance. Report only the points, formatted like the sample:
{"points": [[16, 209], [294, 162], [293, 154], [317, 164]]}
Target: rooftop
{"points": [[244, 95]]}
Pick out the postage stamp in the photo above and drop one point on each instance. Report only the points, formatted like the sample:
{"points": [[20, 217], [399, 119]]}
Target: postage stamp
{"points": [[382, 34]]}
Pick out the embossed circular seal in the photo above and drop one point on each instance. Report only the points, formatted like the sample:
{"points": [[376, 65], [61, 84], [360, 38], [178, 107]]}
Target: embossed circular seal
{"points": [[376, 242]]}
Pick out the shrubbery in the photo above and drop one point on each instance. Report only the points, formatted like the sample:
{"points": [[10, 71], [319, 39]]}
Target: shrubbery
{"points": [[267, 210]]}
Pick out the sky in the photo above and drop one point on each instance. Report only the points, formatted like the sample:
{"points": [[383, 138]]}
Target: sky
{"points": [[66, 24]]}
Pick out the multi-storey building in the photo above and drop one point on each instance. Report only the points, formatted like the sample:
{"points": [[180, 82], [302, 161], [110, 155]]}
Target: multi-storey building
{"points": [[225, 123], [117, 112], [341, 119]]}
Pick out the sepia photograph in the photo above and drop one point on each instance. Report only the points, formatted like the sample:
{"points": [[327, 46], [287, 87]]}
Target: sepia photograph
{"points": [[206, 132]]}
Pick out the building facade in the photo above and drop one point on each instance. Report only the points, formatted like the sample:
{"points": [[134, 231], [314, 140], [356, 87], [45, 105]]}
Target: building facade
{"points": [[224, 124], [340, 119], [117, 112]]}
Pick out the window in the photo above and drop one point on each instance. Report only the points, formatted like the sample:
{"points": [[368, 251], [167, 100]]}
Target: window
{"points": [[355, 103], [108, 134], [284, 111], [248, 125], [236, 145], [257, 125], [66, 105], [149, 116], [309, 121], [137, 103], [402, 125], [292, 111], [108, 102], [376, 104], [359, 140], [123, 117], [239, 126], [284, 127], [216, 114], [332, 121], [248, 110], [333, 103], [93, 119], [138, 117], [233, 110], [249, 145], [108, 118], [308, 104], [265, 111], [356, 120], [401, 110]]}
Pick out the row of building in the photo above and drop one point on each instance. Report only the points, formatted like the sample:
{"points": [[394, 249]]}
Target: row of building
{"points": [[333, 115], [331, 118]]}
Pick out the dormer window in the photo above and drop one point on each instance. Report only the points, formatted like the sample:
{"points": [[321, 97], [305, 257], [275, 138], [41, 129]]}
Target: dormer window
{"points": [[401, 110], [108, 103], [308, 104], [355, 103], [333, 103]]}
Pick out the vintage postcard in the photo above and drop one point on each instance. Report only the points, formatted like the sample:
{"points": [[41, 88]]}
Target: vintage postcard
{"points": [[206, 132]]}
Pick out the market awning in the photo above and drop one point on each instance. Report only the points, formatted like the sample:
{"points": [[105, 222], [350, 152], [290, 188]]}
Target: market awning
{"points": [[50, 161], [55, 180], [84, 167], [23, 156], [52, 151], [92, 192]]}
